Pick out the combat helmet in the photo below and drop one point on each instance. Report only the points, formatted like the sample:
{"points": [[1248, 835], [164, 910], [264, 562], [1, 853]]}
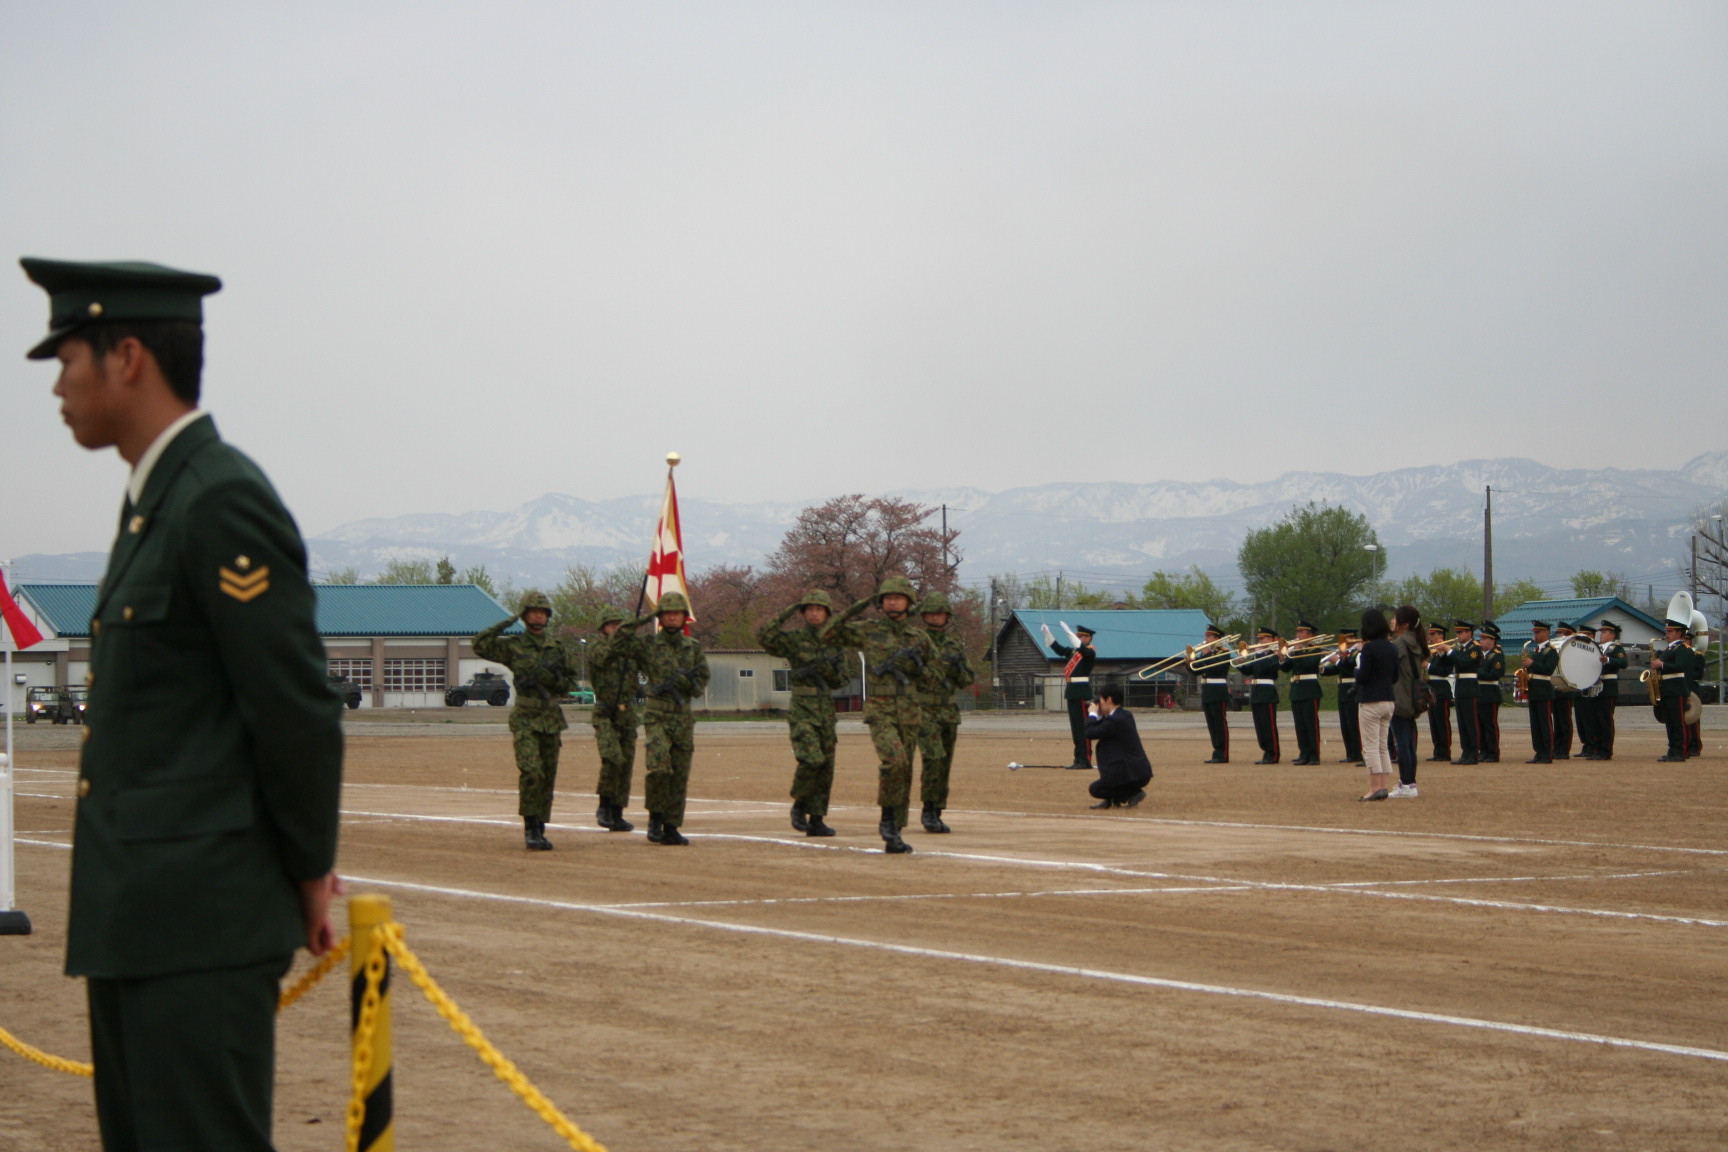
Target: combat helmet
{"points": [[816, 597], [534, 600], [935, 602], [611, 616], [672, 602], [896, 584]]}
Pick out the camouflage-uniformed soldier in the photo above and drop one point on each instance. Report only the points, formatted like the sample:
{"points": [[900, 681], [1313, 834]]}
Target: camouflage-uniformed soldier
{"points": [[896, 652], [677, 673], [613, 657], [818, 668], [946, 673], [544, 671]]}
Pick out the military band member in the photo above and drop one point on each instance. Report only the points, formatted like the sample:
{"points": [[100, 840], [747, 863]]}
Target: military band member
{"points": [[613, 659], [1303, 667], [1671, 665], [1565, 699], [1489, 674], [543, 669], [677, 673], [204, 833], [896, 652], [947, 672], [1440, 715], [1211, 665], [1694, 675], [1596, 712], [1342, 664], [1261, 671], [1540, 660], [818, 669], [1467, 667], [1076, 687]]}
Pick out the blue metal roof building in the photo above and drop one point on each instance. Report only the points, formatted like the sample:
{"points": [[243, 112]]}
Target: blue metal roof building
{"points": [[1638, 627], [1119, 634]]}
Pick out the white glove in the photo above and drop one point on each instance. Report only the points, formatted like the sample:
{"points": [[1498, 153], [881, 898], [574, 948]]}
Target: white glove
{"points": [[1073, 640], [1048, 638]]}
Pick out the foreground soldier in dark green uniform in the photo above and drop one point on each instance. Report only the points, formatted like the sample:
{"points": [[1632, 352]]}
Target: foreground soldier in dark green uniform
{"points": [[947, 673], [544, 670], [818, 669], [896, 652], [205, 831], [677, 673], [1304, 669], [613, 659], [1489, 673]]}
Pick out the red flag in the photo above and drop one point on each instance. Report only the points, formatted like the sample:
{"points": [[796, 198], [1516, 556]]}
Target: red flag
{"points": [[24, 633], [666, 559]]}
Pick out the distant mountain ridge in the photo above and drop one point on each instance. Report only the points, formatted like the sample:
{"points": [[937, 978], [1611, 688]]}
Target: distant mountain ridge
{"points": [[1548, 523]]}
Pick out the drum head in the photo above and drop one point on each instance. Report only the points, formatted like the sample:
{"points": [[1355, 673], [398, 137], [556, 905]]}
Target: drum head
{"points": [[1580, 662], [1694, 709]]}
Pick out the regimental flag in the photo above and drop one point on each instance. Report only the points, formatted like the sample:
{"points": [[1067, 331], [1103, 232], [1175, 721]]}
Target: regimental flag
{"points": [[24, 633], [666, 560]]}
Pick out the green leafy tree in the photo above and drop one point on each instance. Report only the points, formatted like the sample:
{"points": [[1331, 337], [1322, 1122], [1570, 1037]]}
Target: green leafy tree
{"points": [[478, 575], [1509, 596], [1314, 564], [1193, 590], [1587, 585], [446, 571], [406, 572], [1442, 596], [348, 575]]}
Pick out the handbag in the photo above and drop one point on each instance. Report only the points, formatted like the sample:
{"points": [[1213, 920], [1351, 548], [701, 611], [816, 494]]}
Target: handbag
{"points": [[1421, 693]]}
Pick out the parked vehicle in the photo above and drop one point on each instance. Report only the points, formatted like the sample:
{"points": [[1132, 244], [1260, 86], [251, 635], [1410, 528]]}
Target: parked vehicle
{"points": [[346, 690], [491, 687], [44, 702], [581, 694]]}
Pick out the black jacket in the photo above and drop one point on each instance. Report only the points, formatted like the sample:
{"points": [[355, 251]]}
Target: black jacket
{"points": [[1122, 761]]}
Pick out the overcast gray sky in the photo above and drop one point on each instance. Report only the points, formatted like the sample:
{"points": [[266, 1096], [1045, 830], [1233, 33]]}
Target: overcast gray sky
{"points": [[475, 253]]}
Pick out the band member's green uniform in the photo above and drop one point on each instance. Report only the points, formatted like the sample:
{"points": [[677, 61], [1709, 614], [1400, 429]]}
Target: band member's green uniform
{"points": [[1489, 674], [1211, 667], [1467, 666], [1541, 660], [1076, 688], [1671, 665], [613, 659], [1304, 671], [1342, 664], [1440, 715], [1565, 702], [677, 673], [818, 670], [947, 672], [1595, 712], [204, 830], [896, 652], [1262, 675], [544, 670], [1695, 672]]}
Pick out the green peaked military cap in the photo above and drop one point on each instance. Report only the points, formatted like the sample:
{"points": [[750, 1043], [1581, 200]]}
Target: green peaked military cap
{"points": [[81, 293]]}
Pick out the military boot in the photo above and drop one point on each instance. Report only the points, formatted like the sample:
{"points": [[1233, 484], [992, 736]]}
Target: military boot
{"points": [[800, 816], [535, 831], [656, 830], [932, 819], [818, 828], [603, 815], [669, 835], [891, 842], [617, 823]]}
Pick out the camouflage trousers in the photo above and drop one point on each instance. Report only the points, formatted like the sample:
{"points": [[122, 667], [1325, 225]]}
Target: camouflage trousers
{"points": [[936, 738], [894, 723], [537, 770], [671, 743], [811, 719], [615, 738]]}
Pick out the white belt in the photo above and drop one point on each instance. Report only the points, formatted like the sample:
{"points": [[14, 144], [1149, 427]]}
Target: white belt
{"points": [[1672, 675], [1274, 680], [1080, 680], [1466, 675], [1538, 676], [1214, 681], [1306, 676]]}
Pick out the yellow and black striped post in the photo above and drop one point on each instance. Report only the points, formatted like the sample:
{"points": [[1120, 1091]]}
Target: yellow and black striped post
{"points": [[372, 1054]]}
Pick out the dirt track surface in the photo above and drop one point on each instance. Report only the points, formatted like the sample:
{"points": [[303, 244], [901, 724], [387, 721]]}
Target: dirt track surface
{"points": [[1520, 958]]}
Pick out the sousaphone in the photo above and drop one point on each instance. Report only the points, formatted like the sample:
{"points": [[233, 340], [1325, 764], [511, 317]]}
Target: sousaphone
{"points": [[1700, 644], [1679, 608]]}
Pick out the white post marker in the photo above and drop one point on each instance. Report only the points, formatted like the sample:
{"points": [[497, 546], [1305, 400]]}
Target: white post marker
{"points": [[12, 921]]}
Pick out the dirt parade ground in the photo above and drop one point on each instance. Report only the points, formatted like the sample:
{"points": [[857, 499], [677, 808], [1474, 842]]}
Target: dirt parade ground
{"points": [[1520, 958]]}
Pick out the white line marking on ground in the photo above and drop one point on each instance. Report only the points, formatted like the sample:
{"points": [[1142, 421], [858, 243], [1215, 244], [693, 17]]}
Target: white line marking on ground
{"points": [[1069, 970]]}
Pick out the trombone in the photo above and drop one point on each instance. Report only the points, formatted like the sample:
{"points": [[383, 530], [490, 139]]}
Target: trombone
{"points": [[1170, 663], [1285, 648]]}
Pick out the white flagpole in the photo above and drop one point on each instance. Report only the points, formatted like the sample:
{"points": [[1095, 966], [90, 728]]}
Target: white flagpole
{"points": [[12, 921]]}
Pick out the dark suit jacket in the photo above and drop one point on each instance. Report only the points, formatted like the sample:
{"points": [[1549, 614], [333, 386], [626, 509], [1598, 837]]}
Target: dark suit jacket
{"points": [[211, 768], [1122, 761]]}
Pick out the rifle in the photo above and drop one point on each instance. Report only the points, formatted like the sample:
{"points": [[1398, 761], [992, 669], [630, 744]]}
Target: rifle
{"points": [[820, 672], [892, 665]]}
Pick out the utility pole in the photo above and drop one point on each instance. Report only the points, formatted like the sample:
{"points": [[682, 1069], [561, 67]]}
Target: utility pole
{"points": [[1488, 553], [945, 564]]}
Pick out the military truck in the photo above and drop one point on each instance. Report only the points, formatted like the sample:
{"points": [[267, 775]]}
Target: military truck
{"points": [[346, 690], [491, 687], [44, 702]]}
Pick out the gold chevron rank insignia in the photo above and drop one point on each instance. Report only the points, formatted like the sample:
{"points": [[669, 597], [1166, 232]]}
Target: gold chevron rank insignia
{"points": [[245, 587]]}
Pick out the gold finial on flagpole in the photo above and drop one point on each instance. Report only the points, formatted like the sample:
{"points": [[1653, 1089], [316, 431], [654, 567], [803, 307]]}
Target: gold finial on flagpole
{"points": [[672, 459]]}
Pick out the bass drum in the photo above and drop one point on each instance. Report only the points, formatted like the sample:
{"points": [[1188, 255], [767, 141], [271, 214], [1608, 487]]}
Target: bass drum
{"points": [[1694, 709], [1580, 665]]}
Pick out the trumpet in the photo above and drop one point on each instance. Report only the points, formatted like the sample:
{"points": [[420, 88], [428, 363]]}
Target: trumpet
{"points": [[1170, 663], [1344, 649]]}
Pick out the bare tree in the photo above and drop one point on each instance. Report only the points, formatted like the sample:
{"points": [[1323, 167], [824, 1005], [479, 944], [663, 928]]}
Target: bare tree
{"points": [[849, 545]]}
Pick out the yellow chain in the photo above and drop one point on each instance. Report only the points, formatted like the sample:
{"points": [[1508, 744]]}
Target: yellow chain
{"points": [[80, 1068], [58, 1063], [363, 1031], [501, 1066]]}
